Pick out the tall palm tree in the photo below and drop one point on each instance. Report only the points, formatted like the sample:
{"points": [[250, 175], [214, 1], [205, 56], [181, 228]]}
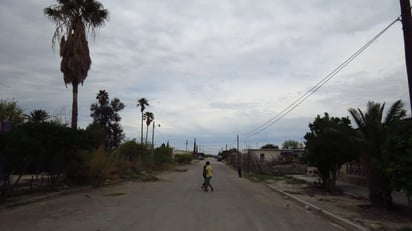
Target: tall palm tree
{"points": [[37, 116], [149, 118], [73, 19], [142, 103], [374, 129]]}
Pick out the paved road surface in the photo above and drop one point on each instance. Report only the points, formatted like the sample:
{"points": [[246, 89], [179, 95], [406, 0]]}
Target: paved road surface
{"points": [[174, 203]]}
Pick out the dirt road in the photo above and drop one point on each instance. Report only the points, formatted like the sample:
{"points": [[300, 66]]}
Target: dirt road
{"points": [[176, 202]]}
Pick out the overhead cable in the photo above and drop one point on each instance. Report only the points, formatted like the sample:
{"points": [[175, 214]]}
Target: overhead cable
{"points": [[316, 87]]}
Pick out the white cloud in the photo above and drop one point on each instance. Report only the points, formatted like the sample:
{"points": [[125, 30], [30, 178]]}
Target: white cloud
{"points": [[212, 69]]}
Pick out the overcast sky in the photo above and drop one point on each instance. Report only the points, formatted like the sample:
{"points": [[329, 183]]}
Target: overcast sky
{"points": [[212, 69]]}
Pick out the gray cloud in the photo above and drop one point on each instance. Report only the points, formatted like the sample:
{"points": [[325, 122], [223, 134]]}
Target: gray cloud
{"points": [[212, 69]]}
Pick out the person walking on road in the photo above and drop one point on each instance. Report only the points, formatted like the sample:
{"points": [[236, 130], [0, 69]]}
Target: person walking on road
{"points": [[209, 173], [204, 178]]}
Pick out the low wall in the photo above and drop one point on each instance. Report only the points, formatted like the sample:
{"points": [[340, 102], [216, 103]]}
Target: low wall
{"points": [[281, 170]]}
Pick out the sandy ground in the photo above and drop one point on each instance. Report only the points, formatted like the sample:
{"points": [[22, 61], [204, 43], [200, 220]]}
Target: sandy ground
{"points": [[355, 209]]}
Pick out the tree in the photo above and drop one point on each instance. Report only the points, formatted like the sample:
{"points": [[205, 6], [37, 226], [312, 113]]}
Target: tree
{"points": [[330, 143], [73, 19], [10, 112], [39, 147], [37, 116], [105, 113], [398, 149], [291, 144], [149, 117], [374, 129], [142, 103], [163, 154], [269, 146]]}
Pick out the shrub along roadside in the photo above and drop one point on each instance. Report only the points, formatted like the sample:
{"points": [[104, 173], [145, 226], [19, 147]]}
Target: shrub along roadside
{"points": [[183, 158], [69, 157]]}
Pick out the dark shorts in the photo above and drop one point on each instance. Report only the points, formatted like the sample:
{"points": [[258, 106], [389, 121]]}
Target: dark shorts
{"points": [[207, 179]]}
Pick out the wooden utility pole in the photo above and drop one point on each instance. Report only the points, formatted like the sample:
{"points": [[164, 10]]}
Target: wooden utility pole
{"points": [[407, 38]]}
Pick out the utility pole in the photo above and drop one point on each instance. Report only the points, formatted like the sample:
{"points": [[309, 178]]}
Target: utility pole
{"points": [[239, 159], [152, 150], [407, 38], [194, 148]]}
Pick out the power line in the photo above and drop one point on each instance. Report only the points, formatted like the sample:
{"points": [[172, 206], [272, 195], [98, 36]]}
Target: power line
{"points": [[316, 87]]}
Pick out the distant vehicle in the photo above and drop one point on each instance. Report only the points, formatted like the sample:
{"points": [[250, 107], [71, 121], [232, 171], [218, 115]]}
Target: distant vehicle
{"points": [[219, 158]]}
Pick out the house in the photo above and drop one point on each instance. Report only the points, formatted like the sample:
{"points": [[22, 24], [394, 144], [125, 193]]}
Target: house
{"points": [[264, 154], [281, 156]]}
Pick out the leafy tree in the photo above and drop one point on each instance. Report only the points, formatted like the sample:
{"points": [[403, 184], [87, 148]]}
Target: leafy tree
{"points": [[330, 143], [129, 150], [149, 117], [39, 147], [73, 19], [37, 116], [105, 113], [374, 128], [11, 112], [142, 103], [291, 144], [398, 152], [269, 146], [225, 154], [96, 135]]}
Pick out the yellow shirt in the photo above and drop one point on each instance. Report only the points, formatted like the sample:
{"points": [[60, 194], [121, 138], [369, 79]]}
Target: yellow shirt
{"points": [[208, 171]]}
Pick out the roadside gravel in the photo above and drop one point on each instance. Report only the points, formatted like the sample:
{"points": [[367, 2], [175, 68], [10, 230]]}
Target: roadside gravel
{"points": [[354, 209]]}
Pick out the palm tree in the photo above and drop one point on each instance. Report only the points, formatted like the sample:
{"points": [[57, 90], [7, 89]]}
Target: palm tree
{"points": [[149, 118], [374, 131], [72, 19], [142, 103], [37, 116]]}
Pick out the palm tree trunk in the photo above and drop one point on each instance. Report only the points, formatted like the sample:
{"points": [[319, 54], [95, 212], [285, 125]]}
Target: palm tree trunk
{"points": [[147, 131], [380, 190], [141, 130], [74, 104]]}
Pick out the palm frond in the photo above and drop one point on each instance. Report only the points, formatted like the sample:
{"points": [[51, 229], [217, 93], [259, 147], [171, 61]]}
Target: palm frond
{"points": [[358, 117], [395, 112]]}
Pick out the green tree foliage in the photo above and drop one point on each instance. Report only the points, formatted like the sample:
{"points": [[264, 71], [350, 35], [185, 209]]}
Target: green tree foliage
{"points": [[149, 117], [291, 144], [183, 158], [73, 19], [130, 150], [330, 143], [398, 152], [96, 135], [10, 111], [225, 154], [142, 103], [37, 116], [105, 114], [269, 146], [163, 154], [374, 129], [40, 147]]}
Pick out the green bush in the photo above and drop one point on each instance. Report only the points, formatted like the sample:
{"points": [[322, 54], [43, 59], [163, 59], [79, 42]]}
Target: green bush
{"points": [[183, 158]]}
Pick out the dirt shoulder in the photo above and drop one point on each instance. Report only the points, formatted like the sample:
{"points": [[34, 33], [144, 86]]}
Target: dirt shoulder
{"points": [[352, 208]]}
